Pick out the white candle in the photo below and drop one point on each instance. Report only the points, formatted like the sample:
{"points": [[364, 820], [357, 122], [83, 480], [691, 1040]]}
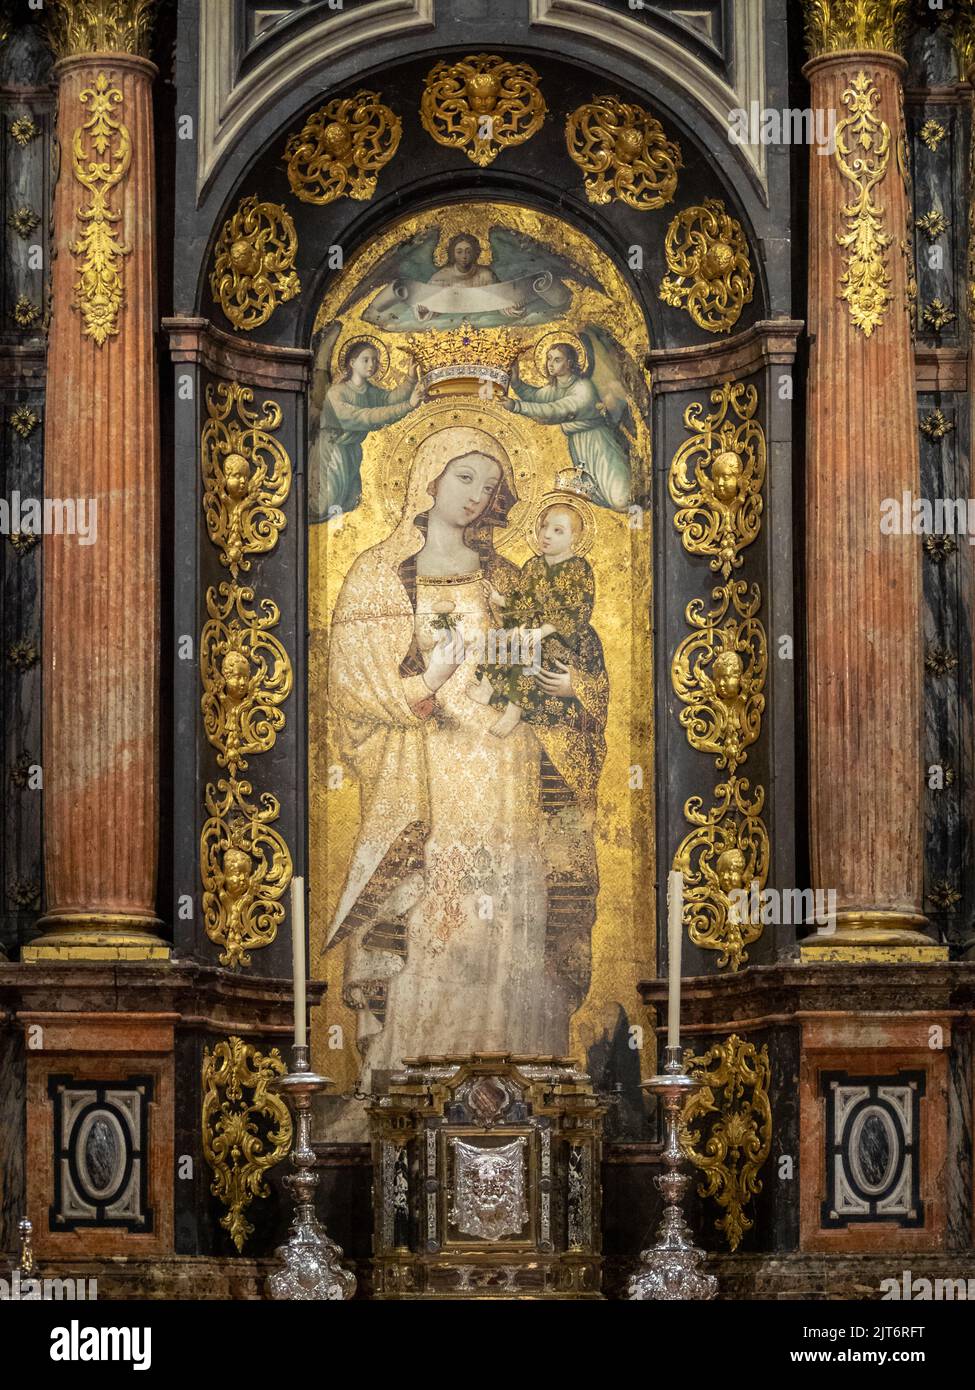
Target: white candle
{"points": [[675, 937], [298, 957]]}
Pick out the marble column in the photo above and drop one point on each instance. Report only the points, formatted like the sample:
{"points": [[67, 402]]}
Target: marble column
{"points": [[101, 598], [863, 586]]}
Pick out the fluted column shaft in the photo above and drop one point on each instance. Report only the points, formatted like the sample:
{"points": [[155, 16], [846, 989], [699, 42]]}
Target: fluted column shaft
{"points": [[101, 600], [863, 586]]}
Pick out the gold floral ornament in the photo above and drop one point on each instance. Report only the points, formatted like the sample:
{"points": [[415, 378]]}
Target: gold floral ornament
{"points": [[246, 1127], [710, 273], [721, 858], [25, 312], [23, 220], [253, 264], [246, 869], [246, 475], [101, 155], [863, 156], [624, 154], [23, 129], [719, 671], [716, 477], [482, 105], [246, 675], [730, 1151], [342, 148], [24, 421]]}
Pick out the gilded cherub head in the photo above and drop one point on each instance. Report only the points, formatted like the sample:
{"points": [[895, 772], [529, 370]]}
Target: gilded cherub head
{"points": [[725, 476], [726, 673], [236, 872], [237, 475], [731, 871], [236, 672]]}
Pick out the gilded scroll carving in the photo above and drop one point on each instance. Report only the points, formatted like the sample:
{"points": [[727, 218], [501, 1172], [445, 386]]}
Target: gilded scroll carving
{"points": [[341, 149], [246, 475], [101, 156], [710, 272], [863, 156], [624, 153], [246, 675], [246, 1127], [253, 264], [482, 105], [246, 869], [727, 1128]]}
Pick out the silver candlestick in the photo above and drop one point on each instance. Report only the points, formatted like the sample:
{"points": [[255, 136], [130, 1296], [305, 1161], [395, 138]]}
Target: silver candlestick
{"points": [[670, 1266], [312, 1262]]}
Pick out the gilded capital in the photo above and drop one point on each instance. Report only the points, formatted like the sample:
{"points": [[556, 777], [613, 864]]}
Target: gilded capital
{"points": [[833, 26], [963, 35], [77, 27]]}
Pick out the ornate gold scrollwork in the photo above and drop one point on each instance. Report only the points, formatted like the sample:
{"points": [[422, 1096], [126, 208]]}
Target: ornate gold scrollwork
{"points": [[624, 153], [482, 105], [253, 264], [720, 511], [235, 1081], [719, 673], [342, 148], [246, 475], [100, 167], [834, 25], [733, 1149], [721, 858], [863, 156], [710, 273], [246, 869], [100, 26], [246, 674]]}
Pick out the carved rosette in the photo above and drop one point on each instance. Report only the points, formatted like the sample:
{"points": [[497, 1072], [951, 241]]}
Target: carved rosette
{"points": [[482, 105], [624, 154], [717, 477], [253, 263], [726, 1128], [246, 475], [719, 670], [246, 870], [101, 156], [862, 156], [247, 1129], [710, 272], [246, 675], [341, 149]]}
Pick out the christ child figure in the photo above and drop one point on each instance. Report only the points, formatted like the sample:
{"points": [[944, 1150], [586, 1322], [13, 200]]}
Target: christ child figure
{"points": [[548, 610]]}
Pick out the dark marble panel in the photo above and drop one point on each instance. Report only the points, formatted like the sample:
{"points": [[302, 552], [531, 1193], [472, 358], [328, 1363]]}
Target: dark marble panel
{"points": [[13, 1135], [958, 1169]]}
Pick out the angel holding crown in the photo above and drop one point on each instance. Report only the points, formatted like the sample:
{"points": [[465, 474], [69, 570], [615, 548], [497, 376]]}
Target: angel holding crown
{"points": [[353, 406]]}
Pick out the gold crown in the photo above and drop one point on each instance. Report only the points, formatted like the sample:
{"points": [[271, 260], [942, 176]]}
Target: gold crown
{"points": [[460, 360]]}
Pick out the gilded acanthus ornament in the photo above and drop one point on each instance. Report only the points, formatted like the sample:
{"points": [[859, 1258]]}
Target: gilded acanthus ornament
{"points": [[718, 672], [932, 133], [716, 477], [938, 316], [933, 224], [246, 475], [23, 220], [721, 858], [25, 312], [253, 263], [101, 155], [624, 153], [731, 1150], [936, 424], [246, 869], [246, 1127], [24, 421], [100, 26], [837, 25], [246, 675], [482, 105], [710, 273], [342, 148], [23, 654], [862, 156]]}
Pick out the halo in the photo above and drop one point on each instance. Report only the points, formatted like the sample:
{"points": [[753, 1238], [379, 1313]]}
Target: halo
{"points": [[572, 503], [548, 340], [345, 341], [401, 441], [448, 231]]}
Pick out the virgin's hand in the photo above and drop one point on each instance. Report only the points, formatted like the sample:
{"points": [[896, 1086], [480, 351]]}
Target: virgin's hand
{"points": [[444, 660], [417, 395], [556, 682], [506, 403]]}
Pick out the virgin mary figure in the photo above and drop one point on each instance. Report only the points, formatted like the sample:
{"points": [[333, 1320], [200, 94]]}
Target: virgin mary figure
{"points": [[469, 900]]}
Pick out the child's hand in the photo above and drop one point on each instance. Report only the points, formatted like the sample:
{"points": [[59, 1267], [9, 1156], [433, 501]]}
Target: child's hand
{"points": [[496, 599]]}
